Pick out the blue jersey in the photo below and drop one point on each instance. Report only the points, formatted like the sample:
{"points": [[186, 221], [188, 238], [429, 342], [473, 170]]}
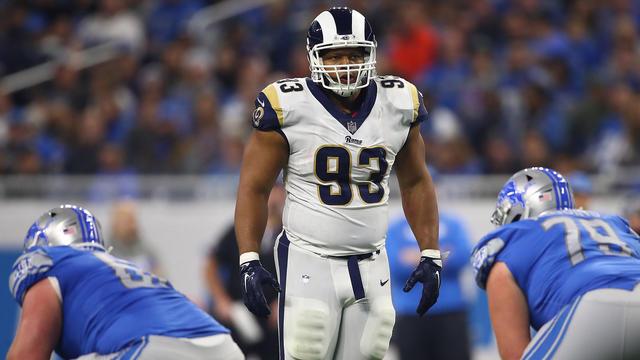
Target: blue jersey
{"points": [[108, 303], [404, 253], [561, 255]]}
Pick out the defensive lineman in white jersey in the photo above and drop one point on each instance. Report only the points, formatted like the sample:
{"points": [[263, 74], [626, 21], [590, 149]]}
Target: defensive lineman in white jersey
{"points": [[337, 135]]}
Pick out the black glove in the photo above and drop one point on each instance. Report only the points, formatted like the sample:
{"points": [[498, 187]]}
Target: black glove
{"points": [[253, 276], [428, 273]]}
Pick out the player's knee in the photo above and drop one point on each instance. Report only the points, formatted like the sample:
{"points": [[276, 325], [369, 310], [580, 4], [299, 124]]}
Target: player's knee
{"points": [[378, 329], [307, 329]]}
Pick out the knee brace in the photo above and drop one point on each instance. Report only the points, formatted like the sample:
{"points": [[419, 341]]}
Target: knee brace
{"points": [[378, 329], [306, 330]]}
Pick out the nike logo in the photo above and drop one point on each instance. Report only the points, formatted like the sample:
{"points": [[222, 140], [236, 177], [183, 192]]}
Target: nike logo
{"points": [[382, 283], [260, 102], [246, 278]]}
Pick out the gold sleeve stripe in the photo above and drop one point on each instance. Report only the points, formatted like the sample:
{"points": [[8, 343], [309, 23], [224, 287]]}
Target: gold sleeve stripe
{"points": [[272, 95], [416, 101]]}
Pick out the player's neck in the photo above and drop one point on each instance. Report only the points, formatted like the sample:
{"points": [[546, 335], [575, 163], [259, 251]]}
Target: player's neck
{"points": [[346, 104]]}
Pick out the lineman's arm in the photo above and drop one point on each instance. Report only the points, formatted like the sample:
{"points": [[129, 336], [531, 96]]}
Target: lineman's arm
{"points": [[417, 190], [264, 156], [40, 323], [509, 312]]}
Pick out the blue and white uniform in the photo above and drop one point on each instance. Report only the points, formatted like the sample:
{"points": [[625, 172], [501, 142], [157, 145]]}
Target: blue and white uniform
{"points": [[336, 212], [110, 306], [579, 271], [404, 255]]}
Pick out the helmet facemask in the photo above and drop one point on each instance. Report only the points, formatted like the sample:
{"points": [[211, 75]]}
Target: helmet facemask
{"points": [[321, 73]]}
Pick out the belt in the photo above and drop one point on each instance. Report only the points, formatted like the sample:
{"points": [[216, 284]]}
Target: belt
{"points": [[354, 272], [357, 256]]}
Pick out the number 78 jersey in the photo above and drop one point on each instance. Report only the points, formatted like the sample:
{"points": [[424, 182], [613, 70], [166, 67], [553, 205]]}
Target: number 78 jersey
{"points": [[337, 175], [561, 255]]}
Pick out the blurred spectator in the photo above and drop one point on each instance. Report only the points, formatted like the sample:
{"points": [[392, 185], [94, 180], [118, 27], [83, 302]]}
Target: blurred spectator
{"points": [[257, 337], [114, 179], [412, 42], [448, 150], [582, 189], [631, 211], [499, 157], [19, 30], [443, 333], [206, 144], [166, 20], [113, 22], [554, 78], [535, 150], [127, 240], [447, 78], [88, 137]]}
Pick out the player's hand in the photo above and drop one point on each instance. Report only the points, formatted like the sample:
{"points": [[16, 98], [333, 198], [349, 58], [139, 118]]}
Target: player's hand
{"points": [[428, 273], [253, 276]]}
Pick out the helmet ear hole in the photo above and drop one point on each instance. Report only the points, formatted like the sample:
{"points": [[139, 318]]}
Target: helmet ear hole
{"points": [[516, 218]]}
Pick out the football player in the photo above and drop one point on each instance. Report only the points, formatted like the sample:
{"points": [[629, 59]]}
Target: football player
{"points": [[337, 135], [86, 304], [573, 275]]}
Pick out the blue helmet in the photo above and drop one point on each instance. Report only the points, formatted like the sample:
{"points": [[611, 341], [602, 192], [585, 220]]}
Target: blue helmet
{"points": [[529, 193], [63, 226], [341, 27]]}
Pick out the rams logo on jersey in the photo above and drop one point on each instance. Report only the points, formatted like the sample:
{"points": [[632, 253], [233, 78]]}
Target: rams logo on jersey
{"points": [[258, 113]]}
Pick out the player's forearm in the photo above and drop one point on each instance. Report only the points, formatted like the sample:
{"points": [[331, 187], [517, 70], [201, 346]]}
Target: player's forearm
{"points": [[421, 210], [250, 220], [30, 345], [17, 352]]}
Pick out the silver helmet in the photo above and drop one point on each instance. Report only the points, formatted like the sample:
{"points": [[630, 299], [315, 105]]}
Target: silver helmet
{"points": [[529, 193], [65, 225]]}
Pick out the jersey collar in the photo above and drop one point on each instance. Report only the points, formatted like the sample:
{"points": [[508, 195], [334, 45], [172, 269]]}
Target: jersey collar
{"points": [[351, 123]]}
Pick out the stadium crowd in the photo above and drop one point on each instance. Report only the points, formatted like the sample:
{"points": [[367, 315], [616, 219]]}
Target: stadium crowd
{"points": [[508, 84]]}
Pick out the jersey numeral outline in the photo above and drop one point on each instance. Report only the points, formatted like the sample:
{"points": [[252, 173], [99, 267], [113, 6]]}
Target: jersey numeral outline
{"points": [[332, 165], [604, 238], [130, 275], [285, 88], [390, 81]]}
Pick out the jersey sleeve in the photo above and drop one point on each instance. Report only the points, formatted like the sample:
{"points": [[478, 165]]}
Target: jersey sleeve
{"points": [[419, 111], [267, 115], [27, 270], [484, 257]]}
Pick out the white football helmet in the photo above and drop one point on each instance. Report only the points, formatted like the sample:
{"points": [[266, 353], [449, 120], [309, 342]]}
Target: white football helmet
{"points": [[341, 27]]}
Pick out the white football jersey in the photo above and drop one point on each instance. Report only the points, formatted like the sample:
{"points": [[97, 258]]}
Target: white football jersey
{"points": [[337, 175]]}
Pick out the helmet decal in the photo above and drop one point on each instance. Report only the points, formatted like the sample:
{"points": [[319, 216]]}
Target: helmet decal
{"points": [[531, 192], [66, 225]]}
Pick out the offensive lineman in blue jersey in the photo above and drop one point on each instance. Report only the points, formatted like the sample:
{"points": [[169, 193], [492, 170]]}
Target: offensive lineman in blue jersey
{"points": [[86, 304], [571, 274]]}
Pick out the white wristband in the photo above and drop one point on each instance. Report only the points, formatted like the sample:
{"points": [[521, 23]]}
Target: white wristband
{"points": [[431, 253], [249, 256]]}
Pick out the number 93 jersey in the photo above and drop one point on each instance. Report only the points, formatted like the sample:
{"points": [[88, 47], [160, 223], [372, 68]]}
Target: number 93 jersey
{"points": [[107, 303], [337, 173]]}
